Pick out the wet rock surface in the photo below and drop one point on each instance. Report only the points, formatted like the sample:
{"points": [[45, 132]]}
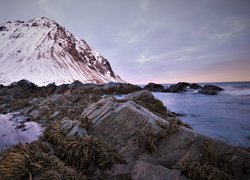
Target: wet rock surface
{"points": [[154, 87], [184, 87], [91, 136], [211, 90]]}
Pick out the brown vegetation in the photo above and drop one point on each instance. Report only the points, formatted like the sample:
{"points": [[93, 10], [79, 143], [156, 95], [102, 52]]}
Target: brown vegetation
{"points": [[212, 164]]}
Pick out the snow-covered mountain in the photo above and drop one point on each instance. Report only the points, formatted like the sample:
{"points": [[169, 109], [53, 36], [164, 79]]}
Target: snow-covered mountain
{"points": [[43, 52]]}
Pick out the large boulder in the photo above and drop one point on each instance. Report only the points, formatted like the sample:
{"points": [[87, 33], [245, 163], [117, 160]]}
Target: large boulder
{"points": [[58, 100], [73, 128], [146, 99], [25, 84], [182, 87], [118, 88], [154, 87], [148, 171], [195, 86], [179, 87], [211, 90]]}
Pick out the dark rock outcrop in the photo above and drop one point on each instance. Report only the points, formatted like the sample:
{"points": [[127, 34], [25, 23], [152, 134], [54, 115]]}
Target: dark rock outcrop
{"points": [[182, 87], [195, 86], [176, 88], [118, 88], [147, 100], [154, 87], [23, 84], [210, 90]]}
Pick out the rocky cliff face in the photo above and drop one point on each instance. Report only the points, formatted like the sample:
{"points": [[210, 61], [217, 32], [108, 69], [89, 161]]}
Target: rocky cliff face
{"points": [[43, 52]]}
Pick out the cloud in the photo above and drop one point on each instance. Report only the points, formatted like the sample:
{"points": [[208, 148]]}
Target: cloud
{"points": [[177, 55], [144, 5]]}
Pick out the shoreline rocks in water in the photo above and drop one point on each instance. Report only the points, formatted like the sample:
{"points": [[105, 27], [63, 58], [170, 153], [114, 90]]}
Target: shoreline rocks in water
{"points": [[210, 90], [154, 87], [89, 136], [184, 87]]}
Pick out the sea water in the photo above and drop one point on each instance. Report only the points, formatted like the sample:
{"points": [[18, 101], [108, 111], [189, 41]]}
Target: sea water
{"points": [[225, 116]]}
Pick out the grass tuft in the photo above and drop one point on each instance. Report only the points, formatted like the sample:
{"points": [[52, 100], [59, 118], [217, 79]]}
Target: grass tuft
{"points": [[35, 160], [198, 171], [149, 140], [86, 154], [212, 164]]}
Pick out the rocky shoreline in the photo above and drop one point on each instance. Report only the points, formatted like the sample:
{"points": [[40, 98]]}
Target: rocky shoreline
{"points": [[89, 134]]}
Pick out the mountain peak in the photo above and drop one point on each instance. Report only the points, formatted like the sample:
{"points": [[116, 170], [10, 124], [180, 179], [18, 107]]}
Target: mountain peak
{"points": [[42, 21], [44, 52]]}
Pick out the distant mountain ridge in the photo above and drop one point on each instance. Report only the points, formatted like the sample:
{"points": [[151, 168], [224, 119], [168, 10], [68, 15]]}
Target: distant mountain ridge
{"points": [[43, 52]]}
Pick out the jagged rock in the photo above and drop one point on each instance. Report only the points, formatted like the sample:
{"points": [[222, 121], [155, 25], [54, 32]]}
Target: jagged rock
{"points": [[55, 114], [148, 171], [129, 116], [35, 100], [176, 88], [182, 87], [34, 113], [61, 89], [47, 90], [211, 90], [58, 99], [140, 95], [118, 88], [146, 99], [25, 84], [73, 128], [154, 87], [75, 84], [195, 86]]}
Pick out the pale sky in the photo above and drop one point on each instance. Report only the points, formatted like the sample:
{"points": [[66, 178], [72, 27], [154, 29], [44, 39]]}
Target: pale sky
{"points": [[159, 41]]}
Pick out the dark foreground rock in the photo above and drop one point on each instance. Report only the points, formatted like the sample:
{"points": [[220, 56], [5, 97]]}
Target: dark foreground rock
{"points": [[154, 87], [87, 136], [210, 90]]}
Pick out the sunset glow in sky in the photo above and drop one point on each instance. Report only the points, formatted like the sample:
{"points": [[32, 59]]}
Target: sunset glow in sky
{"points": [[160, 41]]}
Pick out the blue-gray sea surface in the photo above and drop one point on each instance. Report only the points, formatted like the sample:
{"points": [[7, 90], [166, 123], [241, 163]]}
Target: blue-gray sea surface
{"points": [[225, 116]]}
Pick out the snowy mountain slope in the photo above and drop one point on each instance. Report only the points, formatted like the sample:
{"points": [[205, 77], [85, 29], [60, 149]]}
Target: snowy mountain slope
{"points": [[43, 52]]}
